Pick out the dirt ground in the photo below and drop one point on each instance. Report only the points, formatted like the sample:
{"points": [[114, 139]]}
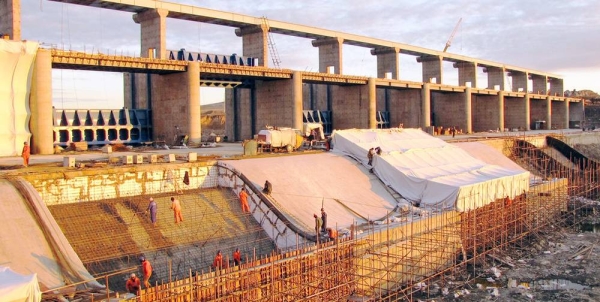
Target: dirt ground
{"points": [[560, 264]]}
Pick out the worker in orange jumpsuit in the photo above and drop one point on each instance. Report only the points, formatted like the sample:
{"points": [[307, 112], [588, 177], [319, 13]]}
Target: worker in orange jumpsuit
{"points": [[218, 263], [237, 257], [133, 284], [176, 206], [244, 201], [333, 234], [25, 154], [146, 270]]}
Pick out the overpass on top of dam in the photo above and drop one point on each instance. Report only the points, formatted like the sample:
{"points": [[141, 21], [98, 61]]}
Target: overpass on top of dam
{"points": [[282, 97]]}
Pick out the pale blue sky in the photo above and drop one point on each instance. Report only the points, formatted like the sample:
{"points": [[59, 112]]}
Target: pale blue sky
{"points": [[561, 37]]}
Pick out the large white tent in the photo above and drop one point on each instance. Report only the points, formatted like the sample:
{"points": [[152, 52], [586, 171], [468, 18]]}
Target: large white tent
{"points": [[428, 171], [17, 59], [16, 287]]}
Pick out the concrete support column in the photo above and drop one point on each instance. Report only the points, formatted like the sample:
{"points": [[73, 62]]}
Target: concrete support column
{"points": [[432, 69], [496, 77], [566, 112], [539, 84], [467, 72], [153, 27], [254, 42], [468, 106], [330, 54], [501, 110], [372, 103], [40, 104], [194, 126], [426, 105], [548, 113], [10, 19], [519, 81], [556, 87], [387, 61], [297, 100], [527, 112]]}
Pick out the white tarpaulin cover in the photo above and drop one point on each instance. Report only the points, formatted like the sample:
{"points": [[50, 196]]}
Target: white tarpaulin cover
{"points": [[15, 287], [308, 127], [279, 138], [16, 59], [429, 171]]}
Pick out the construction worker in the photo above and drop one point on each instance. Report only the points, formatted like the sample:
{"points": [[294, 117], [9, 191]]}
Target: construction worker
{"points": [[218, 262], [370, 155], [324, 220], [25, 154], [176, 206], [333, 234], [318, 224], [133, 284], [146, 270], [244, 201], [237, 257], [268, 188], [152, 208]]}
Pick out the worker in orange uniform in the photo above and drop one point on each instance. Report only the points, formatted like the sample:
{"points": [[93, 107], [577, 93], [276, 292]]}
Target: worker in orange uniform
{"points": [[237, 257], [146, 270], [244, 201], [218, 263], [333, 234], [176, 206], [25, 154], [133, 284]]}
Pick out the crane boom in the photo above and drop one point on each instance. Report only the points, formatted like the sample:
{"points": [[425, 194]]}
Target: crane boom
{"points": [[449, 42]]}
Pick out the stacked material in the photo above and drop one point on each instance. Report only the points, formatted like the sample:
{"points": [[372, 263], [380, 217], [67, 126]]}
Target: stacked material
{"points": [[430, 172]]}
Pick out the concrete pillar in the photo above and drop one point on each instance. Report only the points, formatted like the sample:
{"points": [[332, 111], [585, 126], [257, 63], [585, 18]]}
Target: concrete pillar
{"points": [[527, 112], [467, 72], [387, 61], [496, 76], [501, 110], [539, 84], [297, 121], [10, 19], [566, 112], [548, 113], [153, 28], [519, 81], [330, 54], [372, 103], [194, 126], [468, 116], [254, 42], [426, 105], [556, 87], [40, 104], [432, 68]]}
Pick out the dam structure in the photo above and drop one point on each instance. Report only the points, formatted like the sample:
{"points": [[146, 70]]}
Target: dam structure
{"points": [[167, 83], [408, 220]]}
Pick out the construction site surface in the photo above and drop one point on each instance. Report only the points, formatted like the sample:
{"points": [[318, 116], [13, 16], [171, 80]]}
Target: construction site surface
{"points": [[83, 230]]}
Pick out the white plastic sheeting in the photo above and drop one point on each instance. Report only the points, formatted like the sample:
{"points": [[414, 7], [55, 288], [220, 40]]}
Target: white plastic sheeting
{"points": [[429, 171], [15, 287], [279, 138], [16, 59]]}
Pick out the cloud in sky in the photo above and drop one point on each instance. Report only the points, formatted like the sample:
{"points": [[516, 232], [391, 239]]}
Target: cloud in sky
{"points": [[560, 37]]}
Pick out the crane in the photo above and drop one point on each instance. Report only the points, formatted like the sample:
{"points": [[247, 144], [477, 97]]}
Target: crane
{"points": [[449, 42]]}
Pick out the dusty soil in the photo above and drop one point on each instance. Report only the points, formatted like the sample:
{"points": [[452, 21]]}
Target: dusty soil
{"points": [[561, 264]]}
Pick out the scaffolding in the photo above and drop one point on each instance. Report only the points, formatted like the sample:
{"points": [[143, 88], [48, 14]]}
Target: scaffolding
{"points": [[398, 260]]}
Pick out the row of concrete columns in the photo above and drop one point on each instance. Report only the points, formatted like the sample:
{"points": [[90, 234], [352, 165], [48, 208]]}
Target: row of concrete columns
{"points": [[356, 106]]}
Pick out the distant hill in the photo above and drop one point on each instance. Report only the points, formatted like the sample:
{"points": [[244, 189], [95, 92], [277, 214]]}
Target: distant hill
{"points": [[212, 119]]}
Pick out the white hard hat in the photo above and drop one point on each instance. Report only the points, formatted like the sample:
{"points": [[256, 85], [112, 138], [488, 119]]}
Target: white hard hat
{"points": [[132, 275]]}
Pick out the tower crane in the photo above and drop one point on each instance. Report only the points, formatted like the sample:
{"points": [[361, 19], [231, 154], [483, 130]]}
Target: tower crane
{"points": [[449, 42]]}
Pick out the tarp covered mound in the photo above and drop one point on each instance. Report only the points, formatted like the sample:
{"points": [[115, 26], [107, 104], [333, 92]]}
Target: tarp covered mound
{"points": [[16, 59], [15, 287], [429, 171]]}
